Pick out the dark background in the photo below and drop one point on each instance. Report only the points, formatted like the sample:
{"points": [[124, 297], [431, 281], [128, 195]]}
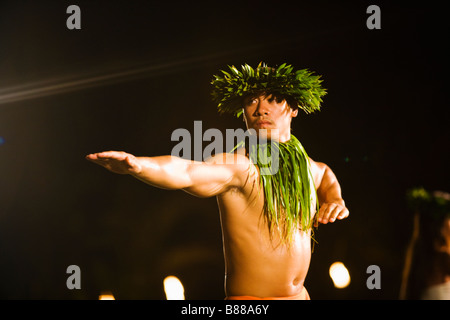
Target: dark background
{"points": [[137, 70]]}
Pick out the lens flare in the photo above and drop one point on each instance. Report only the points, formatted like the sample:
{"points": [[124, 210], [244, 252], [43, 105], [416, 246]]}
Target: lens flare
{"points": [[106, 296], [173, 288], [339, 274]]}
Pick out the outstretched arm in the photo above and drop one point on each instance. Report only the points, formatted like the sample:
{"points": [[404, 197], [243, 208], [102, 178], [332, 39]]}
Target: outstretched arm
{"points": [[202, 179], [332, 206]]}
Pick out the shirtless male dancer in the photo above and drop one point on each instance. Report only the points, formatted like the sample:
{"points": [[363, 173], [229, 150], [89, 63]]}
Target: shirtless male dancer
{"points": [[258, 264]]}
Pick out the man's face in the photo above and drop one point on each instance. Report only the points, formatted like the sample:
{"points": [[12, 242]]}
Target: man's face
{"points": [[265, 113]]}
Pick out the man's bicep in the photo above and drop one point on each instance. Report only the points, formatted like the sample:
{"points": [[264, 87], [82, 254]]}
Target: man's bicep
{"points": [[318, 170], [214, 176], [328, 188]]}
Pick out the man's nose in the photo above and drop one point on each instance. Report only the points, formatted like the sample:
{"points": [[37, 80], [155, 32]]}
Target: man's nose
{"points": [[262, 108]]}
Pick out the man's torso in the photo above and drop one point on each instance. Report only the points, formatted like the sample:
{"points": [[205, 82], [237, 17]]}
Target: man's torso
{"points": [[256, 263]]}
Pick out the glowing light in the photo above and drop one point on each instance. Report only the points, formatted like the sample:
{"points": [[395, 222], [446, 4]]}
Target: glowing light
{"points": [[339, 274], [142, 70], [173, 288], [106, 296], [75, 82]]}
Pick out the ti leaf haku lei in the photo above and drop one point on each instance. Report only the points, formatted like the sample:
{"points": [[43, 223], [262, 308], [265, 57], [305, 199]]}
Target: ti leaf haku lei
{"points": [[300, 88], [289, 193]]}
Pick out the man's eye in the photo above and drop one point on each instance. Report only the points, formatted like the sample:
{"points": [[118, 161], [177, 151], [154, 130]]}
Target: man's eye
{"points": [[251, 101]]}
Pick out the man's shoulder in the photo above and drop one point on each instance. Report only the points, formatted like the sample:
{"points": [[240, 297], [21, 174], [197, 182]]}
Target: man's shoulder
{"points": [[317, 166], [238, 162], [244, 172]]}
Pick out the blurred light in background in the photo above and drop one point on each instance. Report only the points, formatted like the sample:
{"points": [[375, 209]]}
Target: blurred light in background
{"points": [[106, 296], [173, 288], [339, 274], [2, 141]]}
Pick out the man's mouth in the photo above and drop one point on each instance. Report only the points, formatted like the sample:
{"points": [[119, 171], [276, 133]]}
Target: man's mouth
{"points": [[263, 122]]}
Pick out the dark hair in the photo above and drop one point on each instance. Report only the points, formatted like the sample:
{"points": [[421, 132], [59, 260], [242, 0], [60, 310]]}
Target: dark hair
{"points": [[273, 96]]}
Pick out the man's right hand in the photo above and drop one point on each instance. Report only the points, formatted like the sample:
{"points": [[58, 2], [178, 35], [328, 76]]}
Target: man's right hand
{"points": [[116, 161]]}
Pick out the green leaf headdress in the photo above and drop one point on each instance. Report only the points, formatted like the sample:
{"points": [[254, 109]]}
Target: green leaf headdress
{"points": [[301, 89], [435, 205]]}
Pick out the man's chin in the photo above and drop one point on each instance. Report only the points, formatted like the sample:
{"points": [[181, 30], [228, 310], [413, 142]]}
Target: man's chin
{"points": [[268, 136], [265, 133]]}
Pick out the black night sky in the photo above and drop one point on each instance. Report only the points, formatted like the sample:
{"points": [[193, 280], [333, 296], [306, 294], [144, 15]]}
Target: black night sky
{"points": [[138, 70]]}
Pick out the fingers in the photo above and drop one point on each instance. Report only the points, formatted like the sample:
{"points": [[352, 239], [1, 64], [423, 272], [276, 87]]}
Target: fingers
{"points": [[108, 155], [95, 158], [325, 212], [329, 212], [344, 214], [118, 155], [116, 161]]}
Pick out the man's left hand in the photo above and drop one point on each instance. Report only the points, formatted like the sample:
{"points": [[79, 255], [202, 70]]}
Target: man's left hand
{"points": [[331, 211]]}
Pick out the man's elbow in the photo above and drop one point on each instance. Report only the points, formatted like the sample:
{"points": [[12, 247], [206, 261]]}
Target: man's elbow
{"points": [[202, 192]]}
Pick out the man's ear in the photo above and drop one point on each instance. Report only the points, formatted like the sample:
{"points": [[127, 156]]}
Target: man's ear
{"points": [[294, 113]]}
